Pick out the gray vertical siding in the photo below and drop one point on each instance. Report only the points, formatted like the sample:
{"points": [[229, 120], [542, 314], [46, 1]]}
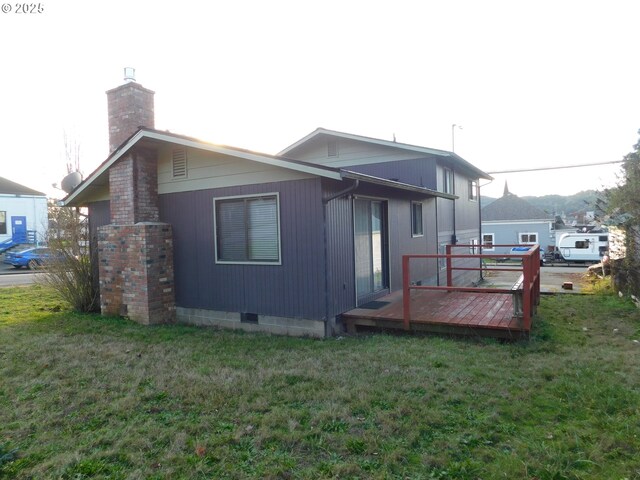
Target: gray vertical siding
{"points": [[340, 271], [294, 289], [461, 218], [401, 241], [419, 171]]}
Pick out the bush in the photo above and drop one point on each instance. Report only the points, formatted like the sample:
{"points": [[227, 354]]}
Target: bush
{"points": [[71, 273]]}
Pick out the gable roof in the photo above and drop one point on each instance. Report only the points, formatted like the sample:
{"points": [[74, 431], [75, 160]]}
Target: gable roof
{"points": [[100, 176], [8, 187], [456, 159], [510, 207]]}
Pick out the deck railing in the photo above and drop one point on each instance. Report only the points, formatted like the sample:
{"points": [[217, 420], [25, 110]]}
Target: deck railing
{"points": [[529, 265]]}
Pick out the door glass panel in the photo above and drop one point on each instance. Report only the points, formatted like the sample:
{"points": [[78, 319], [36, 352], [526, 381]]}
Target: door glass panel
{"points": [[376, 245], [363, 247], [369, 246]]}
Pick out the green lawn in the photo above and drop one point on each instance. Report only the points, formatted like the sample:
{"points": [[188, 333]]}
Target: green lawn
{"points": [[82, 396]]}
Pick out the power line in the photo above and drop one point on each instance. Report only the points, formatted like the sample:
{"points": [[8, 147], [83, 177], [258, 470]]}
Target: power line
{"points": [[555, 168]]}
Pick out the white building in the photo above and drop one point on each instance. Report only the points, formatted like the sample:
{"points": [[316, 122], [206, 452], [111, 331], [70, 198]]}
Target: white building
{"points": [[23, 213]]}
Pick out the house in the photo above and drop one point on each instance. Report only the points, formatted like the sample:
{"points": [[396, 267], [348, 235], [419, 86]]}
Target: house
{"points": [[511, 220], [23, 214], [214, 235]]}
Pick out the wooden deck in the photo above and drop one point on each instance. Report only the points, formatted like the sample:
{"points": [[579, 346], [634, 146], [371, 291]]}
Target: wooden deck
{"points": [[458, 313]]}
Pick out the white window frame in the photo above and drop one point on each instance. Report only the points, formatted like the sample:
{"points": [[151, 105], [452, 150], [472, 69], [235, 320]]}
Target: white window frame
{"points": [[4, 221], [447, 180], [414, 232], [492, 243], [528, 242], [279, 230]]}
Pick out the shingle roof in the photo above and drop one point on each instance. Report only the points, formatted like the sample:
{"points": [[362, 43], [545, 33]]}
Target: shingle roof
{"points": [[511, 207], [8, 187], [100, 176]]}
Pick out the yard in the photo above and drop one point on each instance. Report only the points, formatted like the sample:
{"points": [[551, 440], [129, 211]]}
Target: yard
{"points": [[83, 396]]}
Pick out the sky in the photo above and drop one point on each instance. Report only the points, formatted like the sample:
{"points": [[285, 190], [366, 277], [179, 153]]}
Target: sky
{"points": [[533, 84]]}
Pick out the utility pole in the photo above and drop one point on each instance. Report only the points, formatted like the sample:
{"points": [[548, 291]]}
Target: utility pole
{"points": [[453, 136]]}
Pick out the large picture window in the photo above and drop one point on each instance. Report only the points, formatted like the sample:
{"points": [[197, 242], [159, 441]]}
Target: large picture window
{"points": [[247, 229], [3, 223]]}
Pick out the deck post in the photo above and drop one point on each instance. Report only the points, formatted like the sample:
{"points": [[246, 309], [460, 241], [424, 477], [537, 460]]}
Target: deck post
{"points": [[406, 291], [526, 292], [536, 290], [449, 272]]}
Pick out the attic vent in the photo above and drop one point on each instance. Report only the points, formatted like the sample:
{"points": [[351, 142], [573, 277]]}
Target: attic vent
{"points": [[179, 163], [332, 148]]}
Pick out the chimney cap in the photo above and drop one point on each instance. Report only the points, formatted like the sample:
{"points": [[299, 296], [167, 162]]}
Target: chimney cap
{"points": [[129, 74]]}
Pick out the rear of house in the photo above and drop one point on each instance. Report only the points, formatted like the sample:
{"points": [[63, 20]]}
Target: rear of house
{"points": [[281, 243]]}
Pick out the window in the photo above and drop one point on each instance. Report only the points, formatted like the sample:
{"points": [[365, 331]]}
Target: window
{"points": [[473, 190], [528, 238], [417, 230], [487, 242], [582, 244], [447, 182], [3, 223], [179, 163], [247, 229]]}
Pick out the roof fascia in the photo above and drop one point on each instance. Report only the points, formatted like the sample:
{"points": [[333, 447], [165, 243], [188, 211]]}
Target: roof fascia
{"points": [[360, 138], [255, 157], [155, 135], [111, 159], [388, 143]]}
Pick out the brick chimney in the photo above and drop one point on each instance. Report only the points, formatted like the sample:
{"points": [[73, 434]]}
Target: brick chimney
{"points": [[130, 106], [135, 251]]}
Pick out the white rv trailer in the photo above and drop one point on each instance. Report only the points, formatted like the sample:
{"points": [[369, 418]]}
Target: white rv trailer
{"points": [[583, 247]]}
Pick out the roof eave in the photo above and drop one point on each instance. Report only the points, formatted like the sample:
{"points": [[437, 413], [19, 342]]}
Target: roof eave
{"points": [[390, 144], [303, 167]]}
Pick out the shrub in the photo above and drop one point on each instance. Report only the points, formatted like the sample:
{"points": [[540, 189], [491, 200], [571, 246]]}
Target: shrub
{"points": [[71, 273]]}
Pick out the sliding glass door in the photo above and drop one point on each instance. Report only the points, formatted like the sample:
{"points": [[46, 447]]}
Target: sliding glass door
{"points": [[370, 248]]}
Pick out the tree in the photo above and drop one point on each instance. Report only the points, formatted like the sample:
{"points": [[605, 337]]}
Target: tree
{"points": [[70, 272], [622, 206]]}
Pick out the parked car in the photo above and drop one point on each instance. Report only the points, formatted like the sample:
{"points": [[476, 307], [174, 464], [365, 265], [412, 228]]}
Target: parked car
{"points": [[31, 258]]}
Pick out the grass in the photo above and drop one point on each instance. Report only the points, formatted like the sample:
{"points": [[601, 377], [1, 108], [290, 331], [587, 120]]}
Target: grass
{"points": [[84, 396]]}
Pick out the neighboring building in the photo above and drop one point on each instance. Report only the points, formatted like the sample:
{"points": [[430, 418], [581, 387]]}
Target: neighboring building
{"points": [[216, 235], [23, 213], [511, 220]]}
